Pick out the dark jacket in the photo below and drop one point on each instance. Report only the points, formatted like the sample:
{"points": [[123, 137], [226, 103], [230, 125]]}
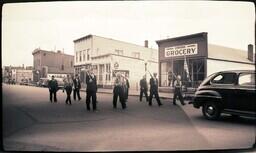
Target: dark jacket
{"points": [[143, 84], [53, 85], [91, 83], [153, 84], [77, 84]]}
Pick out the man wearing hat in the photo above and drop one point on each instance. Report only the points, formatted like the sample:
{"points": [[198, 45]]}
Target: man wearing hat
{"points": [[154, 90], [77, 87], [53, 88]]}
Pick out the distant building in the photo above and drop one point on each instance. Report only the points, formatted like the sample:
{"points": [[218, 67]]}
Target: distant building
{"points": [[18, 74], [48, 63], [202, 58], [109, 56]]}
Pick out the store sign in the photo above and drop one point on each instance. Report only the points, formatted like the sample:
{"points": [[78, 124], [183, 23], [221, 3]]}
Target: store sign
{"points": [[182, 50]]}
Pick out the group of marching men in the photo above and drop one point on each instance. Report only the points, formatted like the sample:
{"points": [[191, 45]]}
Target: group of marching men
{"points": [[121, 89]]}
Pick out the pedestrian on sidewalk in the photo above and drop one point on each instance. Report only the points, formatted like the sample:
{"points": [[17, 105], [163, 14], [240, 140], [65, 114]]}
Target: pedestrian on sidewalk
{"points": [[53, 88], [143, 88], [178, 90], [126, 87], [154, 90], [118, 91], [77, 87], [68, 83], [91, 90]]}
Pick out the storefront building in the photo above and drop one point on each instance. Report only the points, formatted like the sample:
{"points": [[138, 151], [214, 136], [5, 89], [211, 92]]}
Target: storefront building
{"points": [[108, 56], [200, 59]]}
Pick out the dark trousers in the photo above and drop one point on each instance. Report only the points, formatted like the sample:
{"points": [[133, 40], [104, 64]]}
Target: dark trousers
{"points": [[154, 93], [68, 92], [126, 94], [177, 93], [89, 95], [118, 92], [76, 92], [145, 92], [53, 92]]}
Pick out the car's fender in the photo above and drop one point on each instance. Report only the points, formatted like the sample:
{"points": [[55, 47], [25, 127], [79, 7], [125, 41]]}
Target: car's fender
{"points": [[203, 96]]}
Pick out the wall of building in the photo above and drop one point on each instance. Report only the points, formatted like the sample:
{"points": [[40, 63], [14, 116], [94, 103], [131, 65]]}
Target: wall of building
{"points": [[136, 69], [103, 46], [217, 65], [97, 46], [83, 47], [51, 62], [23, 74]]}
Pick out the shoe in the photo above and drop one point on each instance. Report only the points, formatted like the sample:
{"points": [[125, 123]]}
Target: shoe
{"points": [[174, 103], [183, 104], [160, 104], [79, 99]]}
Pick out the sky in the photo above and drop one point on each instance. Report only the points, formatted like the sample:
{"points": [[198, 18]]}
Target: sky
{"points": [[54, 25]]}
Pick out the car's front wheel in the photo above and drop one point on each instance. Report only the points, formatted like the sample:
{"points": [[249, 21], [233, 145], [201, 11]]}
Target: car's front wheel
{"points": [[211, 111]]}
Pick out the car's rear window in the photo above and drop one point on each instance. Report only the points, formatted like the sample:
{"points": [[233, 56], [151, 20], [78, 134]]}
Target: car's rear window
{"points": [[246, 79]]}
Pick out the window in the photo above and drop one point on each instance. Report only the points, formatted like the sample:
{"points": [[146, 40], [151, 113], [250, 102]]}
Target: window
{"points": [[62, 67], [76, 56], [80, 56], [225, 78], [136, 54], [84, 55], [246, 79], [119, 52], [71, 63], [88, 54]]}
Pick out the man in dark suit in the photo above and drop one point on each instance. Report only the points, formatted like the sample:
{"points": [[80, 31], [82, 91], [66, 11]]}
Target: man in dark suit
{"points": [[77, 87], [53, 88], [91, 90], [154, 90], [143, 88]]}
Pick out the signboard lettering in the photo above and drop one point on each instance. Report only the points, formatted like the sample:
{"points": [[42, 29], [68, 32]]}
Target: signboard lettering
{"points": [[182, 50]]}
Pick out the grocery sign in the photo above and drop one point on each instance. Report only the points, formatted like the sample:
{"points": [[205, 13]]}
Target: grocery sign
{"points": [[182, 50]]}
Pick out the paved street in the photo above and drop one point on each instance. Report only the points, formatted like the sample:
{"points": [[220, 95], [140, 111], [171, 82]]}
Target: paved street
{"points": [[32, 123]]}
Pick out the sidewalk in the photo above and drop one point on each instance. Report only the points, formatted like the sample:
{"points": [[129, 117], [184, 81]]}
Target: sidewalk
{"points": [[163, 95]]}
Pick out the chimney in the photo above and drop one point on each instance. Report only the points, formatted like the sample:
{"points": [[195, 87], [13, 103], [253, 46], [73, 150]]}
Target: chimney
{"points": [[146, 43], [250, 52]]}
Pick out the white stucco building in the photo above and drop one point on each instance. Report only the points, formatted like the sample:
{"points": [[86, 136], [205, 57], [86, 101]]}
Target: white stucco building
{"points": [[109, 56]]}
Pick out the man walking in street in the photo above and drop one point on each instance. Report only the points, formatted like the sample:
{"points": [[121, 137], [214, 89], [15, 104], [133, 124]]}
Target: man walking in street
{"points": [[154, 90], [68, 87], [118, 91], [77, 87], [143, 88], [53, 88], [177, 91], [91, 90]]}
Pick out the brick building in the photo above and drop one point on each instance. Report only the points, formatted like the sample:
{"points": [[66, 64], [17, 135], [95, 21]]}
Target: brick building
{"points": [[47, 63]]}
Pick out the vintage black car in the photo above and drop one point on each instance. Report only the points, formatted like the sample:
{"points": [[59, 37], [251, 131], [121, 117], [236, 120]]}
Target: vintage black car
{"points": [[230, 92]]}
